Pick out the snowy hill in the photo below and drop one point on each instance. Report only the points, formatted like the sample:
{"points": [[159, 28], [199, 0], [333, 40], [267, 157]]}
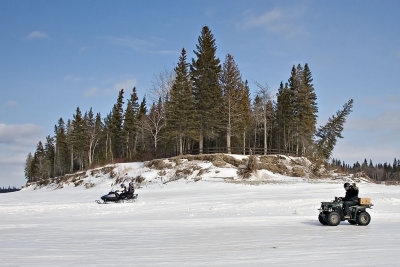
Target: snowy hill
{"points": [[208, 217], [215, 167]]}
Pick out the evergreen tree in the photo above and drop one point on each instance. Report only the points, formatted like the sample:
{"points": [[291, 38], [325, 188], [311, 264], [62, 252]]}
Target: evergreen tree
{"points": [[294, 109], [70, 145], [233, 92], [128, 130], [130, 125], [61, 148], [206, 88], [297, 111], [39, 168], [107, 136], [28, 167], [49, 149], [284, 114], [307, 109], [180, 115], [79, 139], [141, 120], [116, 126], [327, 135]]}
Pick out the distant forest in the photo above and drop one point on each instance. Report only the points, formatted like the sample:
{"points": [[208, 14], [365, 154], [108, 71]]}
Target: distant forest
{"points": [[202, 107], [378, 172], [8, 189]]}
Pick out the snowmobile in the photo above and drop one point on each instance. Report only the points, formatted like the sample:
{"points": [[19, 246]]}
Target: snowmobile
{"points": [[118, 196], [331, 213]]}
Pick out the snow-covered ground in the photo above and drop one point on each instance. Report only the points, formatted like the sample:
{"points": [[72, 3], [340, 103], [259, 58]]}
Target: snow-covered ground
{"points": [[205, 223]]}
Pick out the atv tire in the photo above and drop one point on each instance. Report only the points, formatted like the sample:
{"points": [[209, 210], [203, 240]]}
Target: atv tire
{"points": [[333, 218], [363, 218], [321, 219]]}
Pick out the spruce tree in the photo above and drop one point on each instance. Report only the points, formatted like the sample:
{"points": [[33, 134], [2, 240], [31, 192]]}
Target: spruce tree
{"points": [[207, 91], [28, 167], [328, 134], [130, 125], [39, 164], [307, 109], [139, 143], [284, 114], [297, 111], [293, 120], [233, 90], [180, 116], [116, 126], [107, 136], [49, 149], [79, 139], [61, 148]]}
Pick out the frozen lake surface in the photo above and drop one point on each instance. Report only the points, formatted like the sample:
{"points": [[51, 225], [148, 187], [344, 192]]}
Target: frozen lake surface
{"points": [[201, 223]]}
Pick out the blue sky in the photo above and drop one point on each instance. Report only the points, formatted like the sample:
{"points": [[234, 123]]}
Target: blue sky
{"points": [[57, 55]]}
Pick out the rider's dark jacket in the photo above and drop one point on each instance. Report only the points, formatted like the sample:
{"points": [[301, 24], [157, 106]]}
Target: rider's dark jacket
{"points": [[351, 194]]}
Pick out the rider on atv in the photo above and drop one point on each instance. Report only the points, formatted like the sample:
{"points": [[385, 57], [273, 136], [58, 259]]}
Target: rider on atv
{"points": [[350, 199]]}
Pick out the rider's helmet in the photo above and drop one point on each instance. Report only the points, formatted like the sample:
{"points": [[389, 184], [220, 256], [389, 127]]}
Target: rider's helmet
{"points": [[346, 185]]}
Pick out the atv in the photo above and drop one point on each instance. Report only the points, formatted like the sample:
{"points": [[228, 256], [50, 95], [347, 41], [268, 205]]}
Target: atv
{"points": [[331, 213], [117, 197]]}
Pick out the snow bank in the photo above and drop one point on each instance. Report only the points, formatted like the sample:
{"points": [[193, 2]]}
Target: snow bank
{"points": [[214, 167]]}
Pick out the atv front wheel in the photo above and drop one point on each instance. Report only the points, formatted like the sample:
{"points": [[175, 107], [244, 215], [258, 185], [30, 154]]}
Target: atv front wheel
{"points": [[363, 218], [333, 218], [321, 219]]}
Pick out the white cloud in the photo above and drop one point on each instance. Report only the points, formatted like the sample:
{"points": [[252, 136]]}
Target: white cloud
{"points": [[265, 20], [91, 92], [16, 141], [373, 137], [279, 20], [365, 148], [10, 104], [19, 133], [379, 101], [83, 49], [127, 84], [72, 78], [37, 35], [389, 121], [139, 45]]}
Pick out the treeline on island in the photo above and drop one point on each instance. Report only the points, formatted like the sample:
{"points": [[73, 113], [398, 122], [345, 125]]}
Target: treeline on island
{"points": [[387, 172], [203, 107]]}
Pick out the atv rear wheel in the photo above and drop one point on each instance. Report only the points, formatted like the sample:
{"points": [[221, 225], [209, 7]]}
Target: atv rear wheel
{"points": [[321, 219], [363, 218], [333, 218]]}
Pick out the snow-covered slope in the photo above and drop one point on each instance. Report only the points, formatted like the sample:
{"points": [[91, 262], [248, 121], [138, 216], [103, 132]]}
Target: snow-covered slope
{"points": [[211, 219], [215, 167]]}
